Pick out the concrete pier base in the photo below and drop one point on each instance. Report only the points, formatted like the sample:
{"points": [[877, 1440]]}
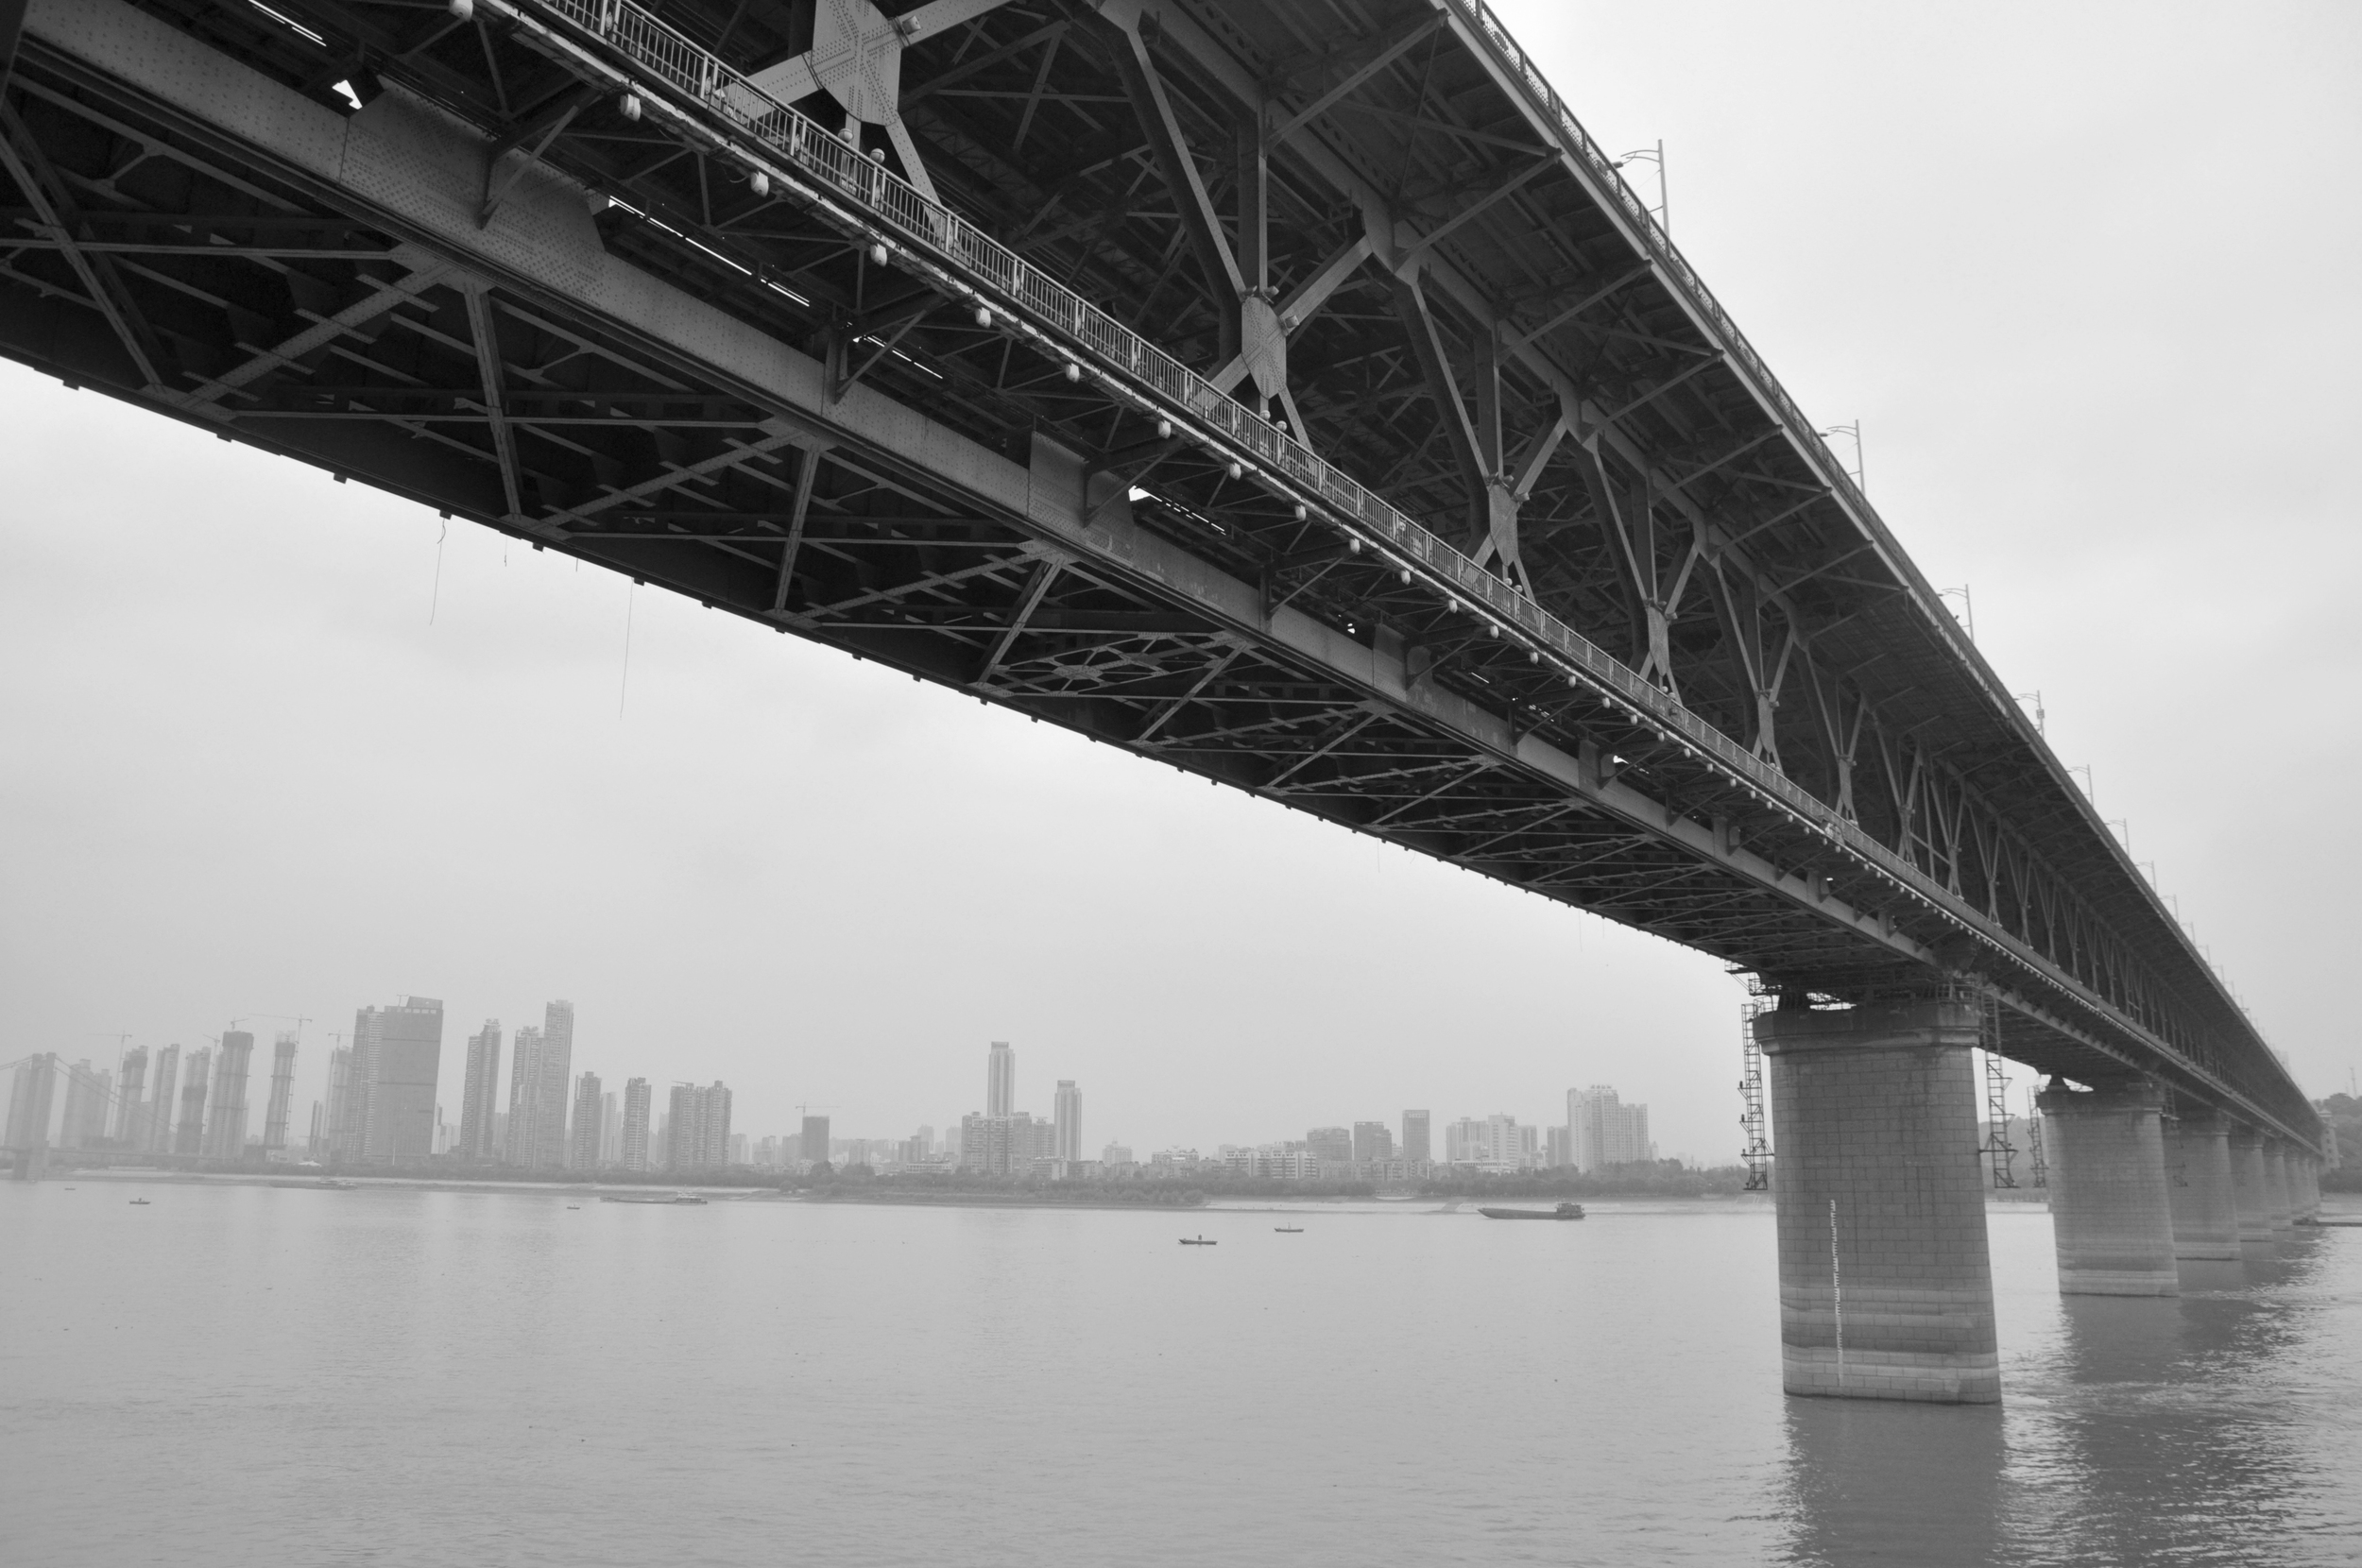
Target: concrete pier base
{"points": [[2309, 1194], [1886, 1286], [2247, 1186], [2110, 1211], [2199, 1190], [2283, 1214]]}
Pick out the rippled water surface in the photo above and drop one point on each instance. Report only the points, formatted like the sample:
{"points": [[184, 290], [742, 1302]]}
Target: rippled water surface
{"points": [[237, 1374]]}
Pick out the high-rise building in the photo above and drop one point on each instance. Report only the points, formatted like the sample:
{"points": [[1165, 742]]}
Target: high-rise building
{"points": [[1372, 1140], [188, 1135], [88, 1094], [635, 1133], [1603, 1131], [1116, 1153], [1415, 1138], [610, 1129], [479, 1094], [31, 1101], [1329, 1143], [282, 1061], [1066, 1139], [130, 1092], [1496, 1143], [397, 1056], [557, 1051], [582, 1150], [813, 1143], [1000, 1081], [341, 1131], [164, 1100], [225, 1131], [524, 1078], [698, 1132], [538, 1087], [317, 1146]]}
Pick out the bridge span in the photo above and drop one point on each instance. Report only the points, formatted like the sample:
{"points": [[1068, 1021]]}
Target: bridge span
{"points": [[1291, 394]]}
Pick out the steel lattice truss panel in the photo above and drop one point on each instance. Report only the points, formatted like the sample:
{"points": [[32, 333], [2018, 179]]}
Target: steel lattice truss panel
{"points": [[1290, 393]]}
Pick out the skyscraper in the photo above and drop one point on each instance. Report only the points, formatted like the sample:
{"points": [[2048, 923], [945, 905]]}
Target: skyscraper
{"points": [[813, 1145], [1066, 1139], [164, 1102], [557, 1061], [1603, 1131], [635, 1153], [188, 1135], [1415, 1141], [85, 1106], [131, 1107], [338, 1133], [582, 1150], [225, 1131], [699, 1133], [524, 1077], [1372, 1141], [29, 1106], [479, 1095], [610, 1129], [397, 1056], [1000, 1080], [539, 1085], [281, 1090]]}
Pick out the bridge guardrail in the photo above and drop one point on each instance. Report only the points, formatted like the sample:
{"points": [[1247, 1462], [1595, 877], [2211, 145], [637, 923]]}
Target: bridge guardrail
{"points": [[712, 84]]}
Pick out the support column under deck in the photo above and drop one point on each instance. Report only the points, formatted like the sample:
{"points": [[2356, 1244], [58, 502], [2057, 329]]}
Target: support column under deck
{"points": [[2199, 1188], [2248, 1187], [2312, 1194], [2109, 1212], [1886, 1285], [2276, 1191]]}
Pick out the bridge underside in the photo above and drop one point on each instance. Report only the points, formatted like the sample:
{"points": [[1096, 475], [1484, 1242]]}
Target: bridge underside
{"points": [[496, 291]]}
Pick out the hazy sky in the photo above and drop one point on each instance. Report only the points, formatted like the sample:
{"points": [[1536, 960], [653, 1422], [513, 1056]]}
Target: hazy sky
{"points": [[2087, 275]]}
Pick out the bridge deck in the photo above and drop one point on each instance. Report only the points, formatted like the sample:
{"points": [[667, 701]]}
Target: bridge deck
{"points": [[1556, 583]]}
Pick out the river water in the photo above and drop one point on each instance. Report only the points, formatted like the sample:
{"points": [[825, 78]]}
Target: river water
{"points": [[396, 1375]]}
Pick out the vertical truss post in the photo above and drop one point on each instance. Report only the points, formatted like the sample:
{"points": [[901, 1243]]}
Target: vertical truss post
{"points": [[1998, 1145], [1757, 1155], [2033, 1140]]}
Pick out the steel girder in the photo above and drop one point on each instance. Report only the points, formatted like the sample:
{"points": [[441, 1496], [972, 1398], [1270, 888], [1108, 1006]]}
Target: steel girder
{"points": [[429, 306]]}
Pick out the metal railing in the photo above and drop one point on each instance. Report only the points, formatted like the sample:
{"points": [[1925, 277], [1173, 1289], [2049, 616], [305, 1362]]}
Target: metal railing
{"points": [[1071, 326]]}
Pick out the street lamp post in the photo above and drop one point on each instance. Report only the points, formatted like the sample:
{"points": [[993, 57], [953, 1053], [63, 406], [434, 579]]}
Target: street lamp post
{"points": [[1664, 201], [1862, 469]]}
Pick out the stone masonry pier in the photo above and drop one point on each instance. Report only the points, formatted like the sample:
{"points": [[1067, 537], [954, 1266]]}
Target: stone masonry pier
{"points": [[1886, 1285]]}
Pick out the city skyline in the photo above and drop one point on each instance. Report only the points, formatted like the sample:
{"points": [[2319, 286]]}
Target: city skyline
{"points": [[598, 1129]]}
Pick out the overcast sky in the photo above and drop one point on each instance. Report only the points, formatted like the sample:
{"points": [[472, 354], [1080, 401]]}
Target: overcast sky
{"points": [[2087, 276]]}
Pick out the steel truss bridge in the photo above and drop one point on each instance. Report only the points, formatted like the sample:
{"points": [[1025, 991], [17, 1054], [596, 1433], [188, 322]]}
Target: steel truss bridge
{"points": [[1291, 393]]}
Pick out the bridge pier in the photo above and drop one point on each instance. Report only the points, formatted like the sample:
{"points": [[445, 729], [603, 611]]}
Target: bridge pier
{"points": [[1886, 1283], [2249, 1186], [2276, 1197], [2199, 1188], [2110, 1211], [2312, 1187]]}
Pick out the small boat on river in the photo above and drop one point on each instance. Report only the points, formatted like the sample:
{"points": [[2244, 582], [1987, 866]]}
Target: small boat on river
{"points": [[1198, 1241], [1289, 1230], [138, 1202], [1563, 1211]]}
